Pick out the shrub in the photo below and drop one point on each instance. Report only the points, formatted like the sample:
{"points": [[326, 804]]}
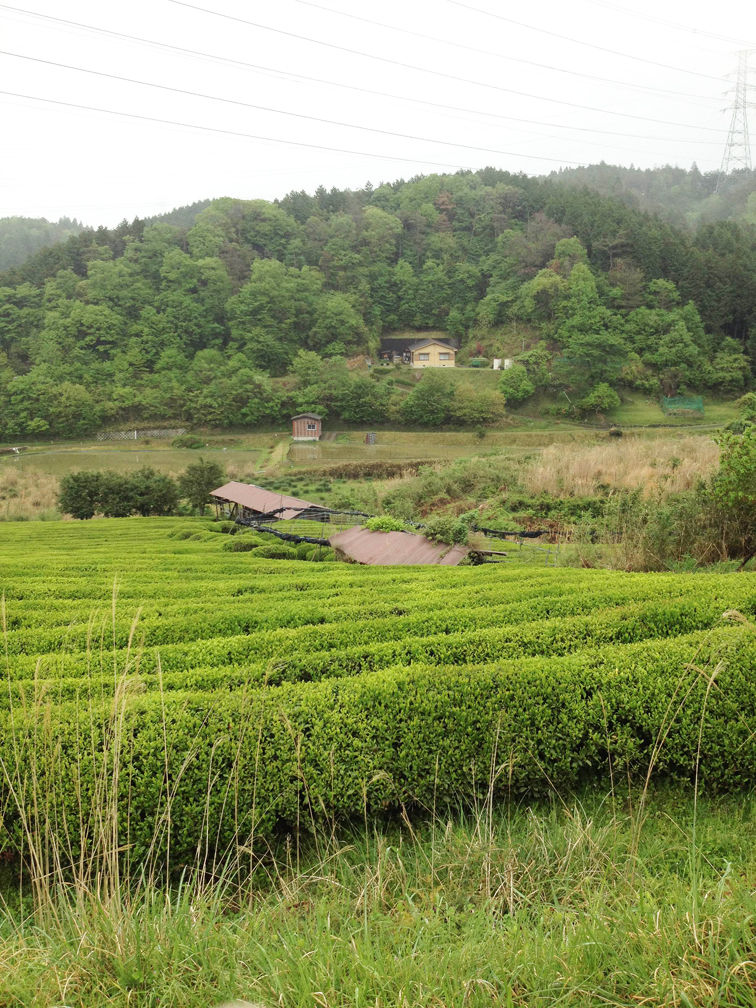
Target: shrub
{"points": [[117, 495], [733, 487], [515, 385], [447, 529], [386, 523], [188, 441], [278, 550], [241, 545]]}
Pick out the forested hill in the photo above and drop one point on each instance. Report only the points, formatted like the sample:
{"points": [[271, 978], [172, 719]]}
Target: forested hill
{"points": [[21, 237], [151, 321], [685, 198]]}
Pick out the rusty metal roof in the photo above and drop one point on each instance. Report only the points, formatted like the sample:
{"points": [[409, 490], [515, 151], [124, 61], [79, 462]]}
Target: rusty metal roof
{"points": [[401, 548], [264, 501]]}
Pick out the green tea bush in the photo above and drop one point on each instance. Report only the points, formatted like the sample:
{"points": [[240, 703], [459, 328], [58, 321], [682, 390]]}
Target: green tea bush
{"points": [[244, 544], [251, 696], [386, 523], [244, 762]]}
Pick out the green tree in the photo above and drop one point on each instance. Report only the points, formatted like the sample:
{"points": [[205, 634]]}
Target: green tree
{"points": [[274, 313], [730, 369], [678, 361], [336, 320], [153, 493], [322, 383], [79, 494], [196, 482], [601, 399], [364, 400], [473, 406], [591, 357], [540, 299], [515, 385], [429, 402], [118, 495]]}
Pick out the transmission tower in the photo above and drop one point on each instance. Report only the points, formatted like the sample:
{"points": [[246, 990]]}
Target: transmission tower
{"points": [[737, 152]]}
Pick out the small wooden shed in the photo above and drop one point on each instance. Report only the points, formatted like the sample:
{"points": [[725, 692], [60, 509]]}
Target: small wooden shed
{"points": [[306, 427]]}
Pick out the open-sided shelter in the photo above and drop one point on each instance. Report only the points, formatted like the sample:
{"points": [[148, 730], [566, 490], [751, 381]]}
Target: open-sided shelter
{"points": [[247, 502]]}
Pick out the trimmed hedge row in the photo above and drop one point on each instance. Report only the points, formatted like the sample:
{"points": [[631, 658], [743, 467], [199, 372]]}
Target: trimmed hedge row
{"points": [[293, 691], [250, 762], [351, 647]]}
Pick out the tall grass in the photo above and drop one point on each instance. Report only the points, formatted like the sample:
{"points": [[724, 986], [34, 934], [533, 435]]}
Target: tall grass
{"points": [[667, 465], [555, 904], [26, 494]]}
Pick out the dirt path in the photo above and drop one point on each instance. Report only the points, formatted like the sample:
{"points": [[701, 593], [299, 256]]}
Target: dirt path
{"points": [[271, 463]]}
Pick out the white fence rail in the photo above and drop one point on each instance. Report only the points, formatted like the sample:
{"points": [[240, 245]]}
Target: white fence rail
{"points": [[135, 434]]}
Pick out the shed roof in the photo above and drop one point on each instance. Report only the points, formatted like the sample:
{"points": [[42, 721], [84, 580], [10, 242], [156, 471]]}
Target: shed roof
{"points": [[264, 501], [403, 548], [307, 416]]}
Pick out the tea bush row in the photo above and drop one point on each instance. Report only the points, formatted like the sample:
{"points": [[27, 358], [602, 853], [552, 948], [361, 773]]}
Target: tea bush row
{"points": [[214, 774]]}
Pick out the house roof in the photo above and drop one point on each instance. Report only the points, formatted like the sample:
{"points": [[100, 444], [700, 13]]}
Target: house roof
{"points": [[306, 416], [419, 344], [399, 343], [254, 497], [401, 548]]}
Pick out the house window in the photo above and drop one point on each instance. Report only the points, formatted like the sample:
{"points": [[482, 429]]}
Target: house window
{"points": [[423, 356], [444, 356], [311, 426]]}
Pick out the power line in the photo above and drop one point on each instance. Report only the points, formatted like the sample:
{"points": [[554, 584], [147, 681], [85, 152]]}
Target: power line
{"points": [[577, 41], [499, 55], [669, 24], [235, 133], [284, 112], [437, 73], [338, 84]]}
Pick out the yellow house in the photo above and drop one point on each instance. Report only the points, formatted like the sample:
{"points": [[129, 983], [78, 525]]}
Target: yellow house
{"points": [[432, 353]]}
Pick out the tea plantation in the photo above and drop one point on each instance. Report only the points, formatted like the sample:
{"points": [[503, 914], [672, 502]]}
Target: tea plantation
{"points": [[219, 697]]}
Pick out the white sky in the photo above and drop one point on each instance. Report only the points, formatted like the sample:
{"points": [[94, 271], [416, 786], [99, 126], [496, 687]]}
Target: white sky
{"points": [[102, 168]]}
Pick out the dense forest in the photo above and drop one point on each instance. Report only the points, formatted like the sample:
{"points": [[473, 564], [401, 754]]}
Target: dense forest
{"points": [[243, 310], [21, 237], [685, 198]]}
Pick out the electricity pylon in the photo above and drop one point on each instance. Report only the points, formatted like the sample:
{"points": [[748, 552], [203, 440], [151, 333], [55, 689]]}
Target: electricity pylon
{"points": [[737, 152]]}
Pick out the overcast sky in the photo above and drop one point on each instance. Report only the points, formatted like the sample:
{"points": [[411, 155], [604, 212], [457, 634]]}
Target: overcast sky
{"points": [[524, 87]]}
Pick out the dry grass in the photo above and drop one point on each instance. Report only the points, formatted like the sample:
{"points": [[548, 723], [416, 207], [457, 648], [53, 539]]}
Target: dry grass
{"points": [[26, 494], [668, 465]]}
